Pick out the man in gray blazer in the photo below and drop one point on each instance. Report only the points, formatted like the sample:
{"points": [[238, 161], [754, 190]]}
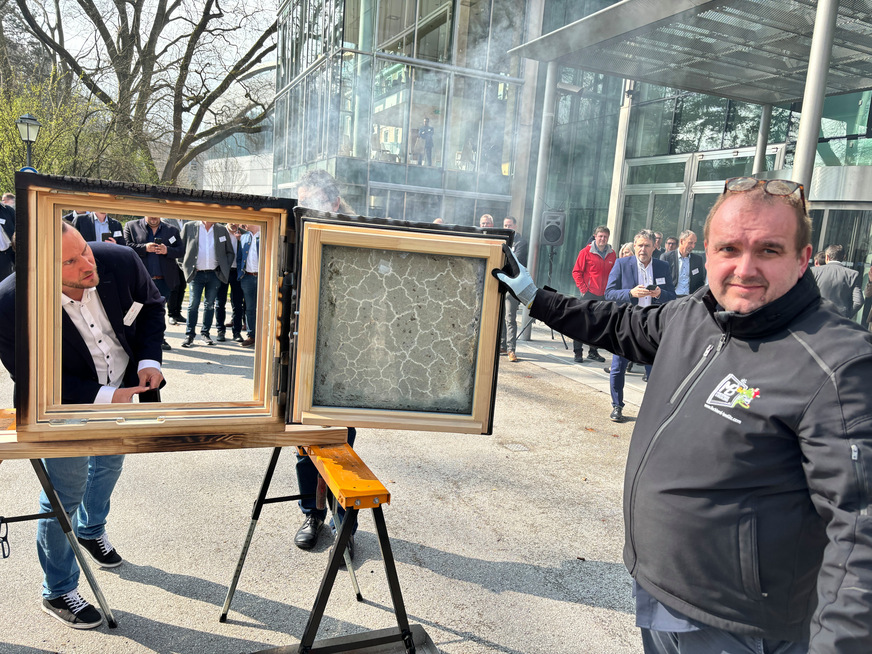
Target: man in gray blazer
{"points": [[688, 269], [839, 284], [206, 265]]}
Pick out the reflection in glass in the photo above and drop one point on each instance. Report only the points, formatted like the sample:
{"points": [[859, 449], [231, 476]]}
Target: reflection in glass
{"points": [[222, 372]]}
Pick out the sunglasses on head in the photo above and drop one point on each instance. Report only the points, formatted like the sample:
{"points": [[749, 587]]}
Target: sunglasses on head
{"points": [[776, 187]]}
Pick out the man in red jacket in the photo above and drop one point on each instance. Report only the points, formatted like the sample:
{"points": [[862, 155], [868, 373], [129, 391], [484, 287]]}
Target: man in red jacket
{"points": [[591, 273]]}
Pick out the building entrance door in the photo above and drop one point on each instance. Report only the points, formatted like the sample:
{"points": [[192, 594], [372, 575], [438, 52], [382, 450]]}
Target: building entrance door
{"points": [[659, 211]]}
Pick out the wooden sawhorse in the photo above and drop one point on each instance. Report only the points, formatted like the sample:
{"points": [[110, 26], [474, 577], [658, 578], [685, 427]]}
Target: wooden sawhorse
{"points": [[354, 488]]}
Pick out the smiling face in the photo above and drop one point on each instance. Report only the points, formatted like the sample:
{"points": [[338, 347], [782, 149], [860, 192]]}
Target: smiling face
{"points": [[601, 239], [78, 268], [751, 252]]}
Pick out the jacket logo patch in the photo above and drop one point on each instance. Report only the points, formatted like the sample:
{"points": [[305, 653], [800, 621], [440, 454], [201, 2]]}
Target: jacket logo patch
{"points": [[732, 392]]}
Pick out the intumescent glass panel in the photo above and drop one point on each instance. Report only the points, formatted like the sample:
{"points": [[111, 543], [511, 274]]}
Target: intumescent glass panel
{"points": [[427, 127], [817, 221], [297, 39], [391, 96], [846, 115], [465, 123], [635, 216], [294, 139], [862, 152], [281, 131], [395, 32], [377, 203], [378, 338], [434, 30], [650, 129], [850, 229], [473, 29]]}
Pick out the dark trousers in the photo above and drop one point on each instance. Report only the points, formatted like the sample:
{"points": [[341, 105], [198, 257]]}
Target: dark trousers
{"points": [[236, 305], [307, 482], [715, 641], [177, 294], [578, 346], [7, 263], [617, 375]]}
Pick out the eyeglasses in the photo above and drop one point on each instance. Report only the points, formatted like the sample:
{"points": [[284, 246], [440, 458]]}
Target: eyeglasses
{"points": [[776, 187]]}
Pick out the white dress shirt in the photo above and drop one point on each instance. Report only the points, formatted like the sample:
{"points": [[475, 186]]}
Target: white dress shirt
{"points": [[646, 278], [206, 249]]}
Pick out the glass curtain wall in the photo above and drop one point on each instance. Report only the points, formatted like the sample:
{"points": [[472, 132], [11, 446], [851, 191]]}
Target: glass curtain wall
{"points": [[406, 101]]}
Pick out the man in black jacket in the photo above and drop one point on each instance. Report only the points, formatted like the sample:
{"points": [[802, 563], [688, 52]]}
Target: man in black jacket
{"points": [[99, 226], [746, 497]]}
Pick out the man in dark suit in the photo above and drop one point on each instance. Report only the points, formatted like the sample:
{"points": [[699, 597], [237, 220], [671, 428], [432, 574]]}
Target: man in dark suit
{"points": [[206, 265], [94, 224], [158, 244], [839, 284], [112, 328], [640, 280], [7, 229], [688, 269]]}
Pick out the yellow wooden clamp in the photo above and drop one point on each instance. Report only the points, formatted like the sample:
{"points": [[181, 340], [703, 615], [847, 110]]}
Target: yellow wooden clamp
{"points": [[351, 482]]}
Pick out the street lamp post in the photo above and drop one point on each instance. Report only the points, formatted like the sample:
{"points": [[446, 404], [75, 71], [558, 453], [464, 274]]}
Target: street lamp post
{"points": [[28, 127]]}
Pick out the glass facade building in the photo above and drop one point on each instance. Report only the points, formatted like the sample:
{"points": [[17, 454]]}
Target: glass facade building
{"points": [[411, 104]]}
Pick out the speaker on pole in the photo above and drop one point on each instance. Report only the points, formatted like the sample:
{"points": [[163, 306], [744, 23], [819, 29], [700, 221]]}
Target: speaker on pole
{"points": [[553, 228]]}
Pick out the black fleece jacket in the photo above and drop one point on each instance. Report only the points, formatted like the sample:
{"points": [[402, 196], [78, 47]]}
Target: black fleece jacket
{"points": [[746, 497]]}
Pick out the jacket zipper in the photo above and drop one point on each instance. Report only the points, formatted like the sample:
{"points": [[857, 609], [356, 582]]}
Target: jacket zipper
{"points": [[692, 384], [693, 372], [861, 480]]}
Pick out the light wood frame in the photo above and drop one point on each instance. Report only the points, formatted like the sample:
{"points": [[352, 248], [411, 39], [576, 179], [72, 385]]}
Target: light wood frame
{"points": [[44, 418], [314, 237]]}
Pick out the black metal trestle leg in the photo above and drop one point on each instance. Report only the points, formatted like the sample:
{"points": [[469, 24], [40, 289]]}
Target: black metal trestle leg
{"points": [[63, 519], [344, 535]]}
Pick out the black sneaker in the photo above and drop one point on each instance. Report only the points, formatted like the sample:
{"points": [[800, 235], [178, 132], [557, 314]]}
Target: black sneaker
{"points": [[220, 337], [617, 415], [73, 611], [237, 337], [101, 550], [189, 341], [594, 356], [207, 339], [165, 346]]}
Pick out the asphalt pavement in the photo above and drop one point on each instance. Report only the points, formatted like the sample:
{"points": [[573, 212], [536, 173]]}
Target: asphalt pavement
{"points": [[505, 544]]}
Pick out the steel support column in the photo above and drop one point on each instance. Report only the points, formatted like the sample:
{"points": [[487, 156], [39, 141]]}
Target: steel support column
{"points": [[762, 139], [815, 90], [542, 165]]}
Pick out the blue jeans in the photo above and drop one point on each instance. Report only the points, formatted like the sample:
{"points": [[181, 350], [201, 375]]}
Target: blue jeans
{"points": [[715, 641], [84, 485], [204, 280], [617, 373], [248, 283], [307, 482]]}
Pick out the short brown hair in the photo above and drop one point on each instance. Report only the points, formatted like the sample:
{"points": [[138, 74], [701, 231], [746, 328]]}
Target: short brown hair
{"points": [[758, 196], [602, 228]]}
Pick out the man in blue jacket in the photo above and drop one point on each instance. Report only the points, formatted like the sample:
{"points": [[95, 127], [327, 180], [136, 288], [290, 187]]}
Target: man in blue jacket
{"points": [[644, 281]]}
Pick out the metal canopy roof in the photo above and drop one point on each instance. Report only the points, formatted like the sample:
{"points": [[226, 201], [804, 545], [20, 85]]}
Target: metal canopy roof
{"points": [[750, 50]]}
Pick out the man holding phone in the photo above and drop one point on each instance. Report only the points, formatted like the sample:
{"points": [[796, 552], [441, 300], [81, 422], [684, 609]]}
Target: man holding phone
{"points": [[158, 244], [640, 280], [98, 226]]}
